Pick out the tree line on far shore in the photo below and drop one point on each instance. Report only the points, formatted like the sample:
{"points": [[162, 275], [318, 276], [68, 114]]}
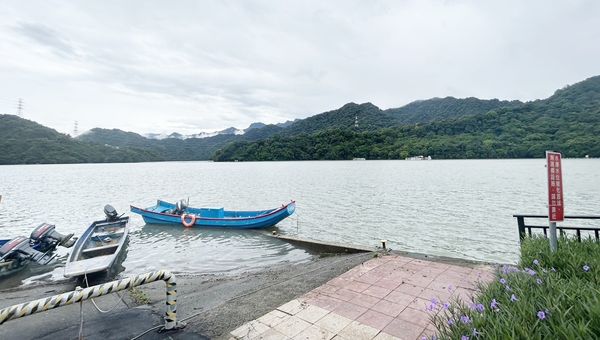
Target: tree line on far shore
{"points": [[568, 121]]}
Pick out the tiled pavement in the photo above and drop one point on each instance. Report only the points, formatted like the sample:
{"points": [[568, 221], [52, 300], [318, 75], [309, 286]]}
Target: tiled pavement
{"points": [[383, 298]]}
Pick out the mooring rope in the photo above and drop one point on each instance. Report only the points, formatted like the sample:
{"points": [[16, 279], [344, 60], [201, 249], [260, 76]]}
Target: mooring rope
{"points": [[81, 320], [94, 302], [79, 294]]}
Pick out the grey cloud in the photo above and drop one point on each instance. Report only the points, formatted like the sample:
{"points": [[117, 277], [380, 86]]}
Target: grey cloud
{"points": [[213, 64], [46, 37]]}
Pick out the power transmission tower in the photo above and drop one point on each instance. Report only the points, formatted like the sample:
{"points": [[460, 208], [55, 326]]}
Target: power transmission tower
{"points": [[356, 122], [20, 106], [75, 129]]}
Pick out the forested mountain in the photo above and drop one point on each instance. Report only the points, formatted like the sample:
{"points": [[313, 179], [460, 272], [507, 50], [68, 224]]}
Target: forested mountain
{"points": [[568, 121], [436, 109], [369, 118], [169, 149], [115, 137], [25, 142]]}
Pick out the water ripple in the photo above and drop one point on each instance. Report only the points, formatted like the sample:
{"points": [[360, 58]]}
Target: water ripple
{"points": [[451, 208]]}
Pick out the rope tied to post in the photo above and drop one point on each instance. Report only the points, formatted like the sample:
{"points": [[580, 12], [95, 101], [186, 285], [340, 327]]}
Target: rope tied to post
{"points": [[44, 304]]}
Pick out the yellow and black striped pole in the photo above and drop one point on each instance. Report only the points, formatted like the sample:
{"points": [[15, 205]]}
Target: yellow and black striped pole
{"points": [[32, 307]]}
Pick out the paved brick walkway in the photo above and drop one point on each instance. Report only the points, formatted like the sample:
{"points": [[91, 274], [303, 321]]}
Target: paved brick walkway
{"points": [[383, 298]]}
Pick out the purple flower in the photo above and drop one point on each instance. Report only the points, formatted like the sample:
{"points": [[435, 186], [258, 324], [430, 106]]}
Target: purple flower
{"points": [[541, 315], [536, 262], [494, 304], [530, 271], [432, 305], [423, 337], [503, 281], [465, 319], [446, 305], [450, 322], [513, 298], [538, 281], [464, 337], [586, 268], [450, 288], [509, 269], [477, 307]]}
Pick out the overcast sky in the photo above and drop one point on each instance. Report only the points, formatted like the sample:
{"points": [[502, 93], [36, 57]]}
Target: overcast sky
{"points": [[189, 66]]}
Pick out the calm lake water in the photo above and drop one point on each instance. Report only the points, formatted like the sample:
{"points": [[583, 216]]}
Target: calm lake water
{"points": [[460, 208]]}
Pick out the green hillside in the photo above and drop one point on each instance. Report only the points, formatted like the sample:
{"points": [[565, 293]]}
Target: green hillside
{"points": [[436, 109], [175, 149], [568, 121], [369, 116], [168, 149], [116, 137], [25, 142]]}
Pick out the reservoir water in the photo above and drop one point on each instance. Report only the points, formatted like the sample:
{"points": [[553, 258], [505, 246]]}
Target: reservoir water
{"points": [[457, 208]]}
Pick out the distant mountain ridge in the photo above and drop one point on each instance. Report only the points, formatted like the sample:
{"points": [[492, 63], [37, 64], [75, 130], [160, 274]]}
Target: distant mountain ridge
{"points": [[26, 142], [362, 117], [436, 109], [228, 131], [442, 127], [568, 121]]}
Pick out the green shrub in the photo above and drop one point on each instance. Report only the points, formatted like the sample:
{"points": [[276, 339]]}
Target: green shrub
{"points": [[548, 296]]}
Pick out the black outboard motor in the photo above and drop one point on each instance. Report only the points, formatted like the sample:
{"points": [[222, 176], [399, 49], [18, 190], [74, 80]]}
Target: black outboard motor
{"points": [[45, 238], [180, 207], [111, 213], [18, 249]]}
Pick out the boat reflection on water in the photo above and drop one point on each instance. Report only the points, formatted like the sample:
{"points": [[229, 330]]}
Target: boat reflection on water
{"points": [[34, 272], [186, 235]]}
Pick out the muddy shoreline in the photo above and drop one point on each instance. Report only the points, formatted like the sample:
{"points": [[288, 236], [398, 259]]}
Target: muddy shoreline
{"points": [[216, 304], [211, 305]]}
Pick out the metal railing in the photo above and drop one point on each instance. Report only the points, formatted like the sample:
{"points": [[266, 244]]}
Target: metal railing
{"points": [[37, 306], [525, 229]]}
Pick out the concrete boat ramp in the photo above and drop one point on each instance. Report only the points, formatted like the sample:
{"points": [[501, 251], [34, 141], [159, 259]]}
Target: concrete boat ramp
{"points": [[358, 295], [383, 298]]}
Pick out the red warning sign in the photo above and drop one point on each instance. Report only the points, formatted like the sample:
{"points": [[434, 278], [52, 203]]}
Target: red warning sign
{"points": [[556, 211]]}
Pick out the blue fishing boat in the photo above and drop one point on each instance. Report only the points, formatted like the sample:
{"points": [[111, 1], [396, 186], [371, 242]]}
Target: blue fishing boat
{"points": [[179, 213]]}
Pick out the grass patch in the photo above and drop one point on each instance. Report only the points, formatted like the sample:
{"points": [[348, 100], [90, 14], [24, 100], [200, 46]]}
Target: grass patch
{"points": [[547, 296], [139, 296]]}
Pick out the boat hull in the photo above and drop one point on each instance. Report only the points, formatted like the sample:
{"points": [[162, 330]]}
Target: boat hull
{"points": [[76, 266], [216, 218]]}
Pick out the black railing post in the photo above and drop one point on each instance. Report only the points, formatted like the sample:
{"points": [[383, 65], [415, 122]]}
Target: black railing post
{"points": [[521, 223], [525, 229]]}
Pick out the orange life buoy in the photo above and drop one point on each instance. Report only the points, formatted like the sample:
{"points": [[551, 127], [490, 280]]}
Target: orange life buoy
{"points": [[185, 222]]}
